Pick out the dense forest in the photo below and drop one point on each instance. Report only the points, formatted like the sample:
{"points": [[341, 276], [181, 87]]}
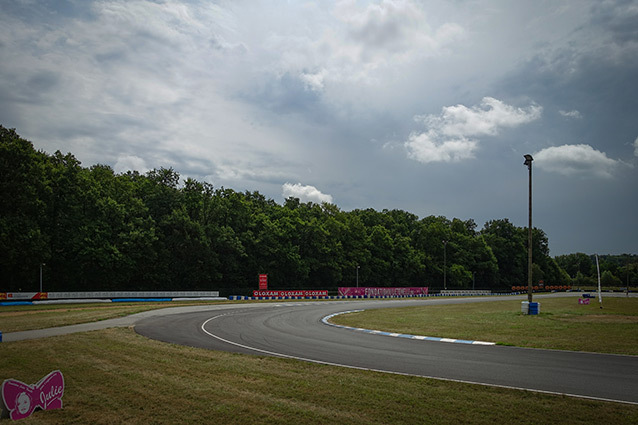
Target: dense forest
{"points": [[94, 229], [616, 270]]}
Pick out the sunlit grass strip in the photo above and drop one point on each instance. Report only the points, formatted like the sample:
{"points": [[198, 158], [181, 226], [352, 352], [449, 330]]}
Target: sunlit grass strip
{"points": [[562, 324], [22, 318], [116, 376], [27, 317]]}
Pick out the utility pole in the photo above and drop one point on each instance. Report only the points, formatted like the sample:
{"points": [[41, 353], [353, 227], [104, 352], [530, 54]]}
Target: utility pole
{"points": [[445, 265], [41, 264], [528, 162]]}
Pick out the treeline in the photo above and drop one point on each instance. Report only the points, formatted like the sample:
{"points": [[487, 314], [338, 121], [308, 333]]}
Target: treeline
{"points": [[97, 230], [615, 270]]}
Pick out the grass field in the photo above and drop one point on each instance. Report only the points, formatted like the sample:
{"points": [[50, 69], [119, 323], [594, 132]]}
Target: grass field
{"points": [[41, 316], [116, 376], [563, 323]]}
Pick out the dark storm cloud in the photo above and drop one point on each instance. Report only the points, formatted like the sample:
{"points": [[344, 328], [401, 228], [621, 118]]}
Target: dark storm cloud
{"points": [[284, 95], [48, 11], [618, 18], [592, 77], [583, 148]]}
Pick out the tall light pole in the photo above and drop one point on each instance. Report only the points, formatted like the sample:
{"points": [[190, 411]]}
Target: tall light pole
{"points": [[358, 266], [41, 264], [445, 265], [528, 162]]}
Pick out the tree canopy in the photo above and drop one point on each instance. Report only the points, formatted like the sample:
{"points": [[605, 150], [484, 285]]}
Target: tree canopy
{"points": [[98, 230]]}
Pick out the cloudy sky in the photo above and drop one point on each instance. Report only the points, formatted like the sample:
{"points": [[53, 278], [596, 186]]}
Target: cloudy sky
{"points": [[424, 106]]}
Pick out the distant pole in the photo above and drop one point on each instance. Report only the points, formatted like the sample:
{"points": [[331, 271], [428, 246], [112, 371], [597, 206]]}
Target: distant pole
{"points": [[528, 162], [445, 265], [600, 295], [358, 275], [41, 264], [473, 279], [627, 288]]}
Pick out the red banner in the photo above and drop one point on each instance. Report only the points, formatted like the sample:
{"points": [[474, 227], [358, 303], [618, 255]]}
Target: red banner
{"points": [[300, 293], [263, 281], [23, 296]]}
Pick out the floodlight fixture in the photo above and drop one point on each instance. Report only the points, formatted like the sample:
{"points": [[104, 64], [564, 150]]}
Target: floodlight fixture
{"points": [[528, 160]]}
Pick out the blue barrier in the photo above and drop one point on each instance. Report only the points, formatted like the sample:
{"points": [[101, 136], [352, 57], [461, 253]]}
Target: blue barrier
{"points": [[9, 303], [533, 308]]}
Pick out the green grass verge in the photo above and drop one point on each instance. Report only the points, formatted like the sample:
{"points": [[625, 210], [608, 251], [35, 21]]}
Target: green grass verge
{"points": [[42, 316], [563, 323], [116, 376]]}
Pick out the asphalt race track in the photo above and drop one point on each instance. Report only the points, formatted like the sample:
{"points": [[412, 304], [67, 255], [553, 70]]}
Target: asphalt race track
{"points": [[295, 330]]}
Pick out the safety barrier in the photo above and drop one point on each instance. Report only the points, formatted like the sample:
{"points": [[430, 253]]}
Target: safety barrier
{"points": [[350, 297], [33, 298]]}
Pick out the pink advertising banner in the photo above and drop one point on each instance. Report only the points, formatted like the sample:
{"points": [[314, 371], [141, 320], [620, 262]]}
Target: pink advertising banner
{"points": [[20, 399], [383, 292]]}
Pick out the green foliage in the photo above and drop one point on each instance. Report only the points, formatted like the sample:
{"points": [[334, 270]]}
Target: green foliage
{"points": [[608, 279], [509, 245], [97, 230], [582, 280], [616, 270], [574, 263], [24, 191]]}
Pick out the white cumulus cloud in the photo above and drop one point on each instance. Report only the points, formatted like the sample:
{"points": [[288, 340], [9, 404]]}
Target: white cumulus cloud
{"points": [[371, 37], [388, 25], [450, 136], [314, 82], [130, 163], [575, 160], [571, 114], [305, 193], [427, 147], [636, 147]]}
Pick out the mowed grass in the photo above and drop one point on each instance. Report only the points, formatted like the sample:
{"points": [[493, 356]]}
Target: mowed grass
{"points": [[115, 376], [562, 324], [42, 316]]}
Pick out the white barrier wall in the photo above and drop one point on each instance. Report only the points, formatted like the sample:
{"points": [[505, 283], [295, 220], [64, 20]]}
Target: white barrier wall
{"points": [[468, 292], [132, 294], [17, 296]]}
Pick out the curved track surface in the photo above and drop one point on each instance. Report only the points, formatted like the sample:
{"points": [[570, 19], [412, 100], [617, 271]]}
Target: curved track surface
{"points": [[295, 330]]}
